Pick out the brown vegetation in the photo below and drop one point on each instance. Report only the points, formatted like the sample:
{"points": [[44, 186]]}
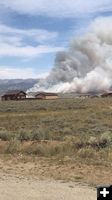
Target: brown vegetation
{"points": [[69, 133]]}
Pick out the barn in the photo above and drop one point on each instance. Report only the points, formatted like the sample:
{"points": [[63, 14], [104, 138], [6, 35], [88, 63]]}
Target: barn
{"points": [[13, 95], [46, 95]]}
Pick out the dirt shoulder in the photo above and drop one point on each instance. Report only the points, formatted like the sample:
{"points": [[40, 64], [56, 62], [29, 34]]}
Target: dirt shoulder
{"points": [[66, 169], [21, 188], [35, 181]]}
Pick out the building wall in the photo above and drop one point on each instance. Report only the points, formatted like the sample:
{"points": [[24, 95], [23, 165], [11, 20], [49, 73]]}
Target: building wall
{"points": [[41, 96], [51, 97], [7, 98], [22, 96], [13, 97]]}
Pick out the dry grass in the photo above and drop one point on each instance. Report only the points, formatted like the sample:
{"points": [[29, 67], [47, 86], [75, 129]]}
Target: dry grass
{"points": [[77, 129]]}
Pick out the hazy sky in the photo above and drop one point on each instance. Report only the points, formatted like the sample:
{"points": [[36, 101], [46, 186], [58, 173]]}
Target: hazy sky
{"points": [[32, 31]]}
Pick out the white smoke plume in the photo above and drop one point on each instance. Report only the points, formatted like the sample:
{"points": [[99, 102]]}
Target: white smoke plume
{"points": [[86, 66]]}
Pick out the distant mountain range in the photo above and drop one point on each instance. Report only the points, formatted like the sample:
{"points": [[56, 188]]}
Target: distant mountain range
{"points": [[13, 84]]}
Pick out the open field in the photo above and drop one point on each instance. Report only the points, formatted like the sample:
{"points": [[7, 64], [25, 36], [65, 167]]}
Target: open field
{"points": [[67, 139]]}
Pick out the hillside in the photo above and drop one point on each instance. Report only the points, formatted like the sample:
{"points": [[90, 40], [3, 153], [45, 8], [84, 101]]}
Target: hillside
{"points": [[12, 84]]}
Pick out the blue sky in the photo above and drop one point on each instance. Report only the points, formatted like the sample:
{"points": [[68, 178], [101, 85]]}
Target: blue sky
{"points": [[33, 31]]}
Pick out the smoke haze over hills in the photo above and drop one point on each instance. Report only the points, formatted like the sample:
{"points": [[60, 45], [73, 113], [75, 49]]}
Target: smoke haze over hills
{"points": [[86, 66], [16, 84]]}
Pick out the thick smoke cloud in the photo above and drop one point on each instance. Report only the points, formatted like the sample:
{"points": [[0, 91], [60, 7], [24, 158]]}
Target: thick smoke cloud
{"points": [[86, 66]]}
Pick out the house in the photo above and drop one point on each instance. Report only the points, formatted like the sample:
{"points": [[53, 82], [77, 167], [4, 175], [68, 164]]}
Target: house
{"points": [[107, 94], [13, 95], [46, 95]]}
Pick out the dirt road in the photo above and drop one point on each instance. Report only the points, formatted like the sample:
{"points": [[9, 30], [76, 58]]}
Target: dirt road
{"points": [[20, 188]]}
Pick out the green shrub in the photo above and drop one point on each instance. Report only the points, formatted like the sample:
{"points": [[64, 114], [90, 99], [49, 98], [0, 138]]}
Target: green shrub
{"points": [[36, 149], [107, 136], [37, 135], [40, 134], [67, 131], [6, 136], [105, 140], [24, 135], [86, 153], [47, 150], [14, 146]]}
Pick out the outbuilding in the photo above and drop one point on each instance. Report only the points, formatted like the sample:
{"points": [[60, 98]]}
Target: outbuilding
{"points": [[46, 95]]}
